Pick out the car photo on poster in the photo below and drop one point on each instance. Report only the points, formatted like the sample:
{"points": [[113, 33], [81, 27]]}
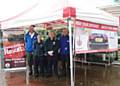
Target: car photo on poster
{"points": [[13, 37], [97, 41]]}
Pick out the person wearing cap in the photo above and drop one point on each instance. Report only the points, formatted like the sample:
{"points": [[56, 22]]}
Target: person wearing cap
{"points": [[30, 38], [51, 50], [39, 58], [64, 52]]}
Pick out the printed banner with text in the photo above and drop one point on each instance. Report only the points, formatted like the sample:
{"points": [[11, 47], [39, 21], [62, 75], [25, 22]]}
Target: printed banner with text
{"points": [[92, 37], [14, 48]]}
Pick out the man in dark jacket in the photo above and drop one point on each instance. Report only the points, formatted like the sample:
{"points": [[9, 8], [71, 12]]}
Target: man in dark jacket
{"points": [[51, 49], [30, 38], [39, 58], [64, 51]]}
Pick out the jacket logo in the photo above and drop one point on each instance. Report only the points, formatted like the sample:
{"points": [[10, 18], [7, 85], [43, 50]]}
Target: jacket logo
{"points": [[41, 45], [66, 48], [53, 43], [67, 40], [35, 37]]}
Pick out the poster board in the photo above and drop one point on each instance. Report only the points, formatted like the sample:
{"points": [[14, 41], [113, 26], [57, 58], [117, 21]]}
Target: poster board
{"points": [[93, 37], [14, 48]]}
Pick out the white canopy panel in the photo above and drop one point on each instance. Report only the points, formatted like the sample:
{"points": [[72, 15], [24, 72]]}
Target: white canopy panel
{"points": [[33, 12], [88, 11], [46, 10]]}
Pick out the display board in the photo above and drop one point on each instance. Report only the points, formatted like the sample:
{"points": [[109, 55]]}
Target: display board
{"points": [[93, 37], [14, 48]]}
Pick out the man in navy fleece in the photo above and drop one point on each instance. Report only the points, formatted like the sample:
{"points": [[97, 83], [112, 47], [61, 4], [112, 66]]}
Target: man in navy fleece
{"points": [[64, 51]]}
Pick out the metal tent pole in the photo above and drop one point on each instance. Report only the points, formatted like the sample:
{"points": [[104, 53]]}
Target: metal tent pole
{"points": [[74, 54], [71, 52], [27, 74]]}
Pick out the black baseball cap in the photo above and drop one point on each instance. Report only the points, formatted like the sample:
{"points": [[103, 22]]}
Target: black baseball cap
{"points": [[32, 25]]}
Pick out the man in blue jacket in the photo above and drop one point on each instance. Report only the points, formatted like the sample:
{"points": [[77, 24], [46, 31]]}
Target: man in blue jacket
{"points": [[30, 38], [64, 51]]}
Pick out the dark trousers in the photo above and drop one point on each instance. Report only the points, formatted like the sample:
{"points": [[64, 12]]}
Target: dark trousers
{"points": [[30, 61], [39, 65], [36, 64], [52, 65], [65, 63]]}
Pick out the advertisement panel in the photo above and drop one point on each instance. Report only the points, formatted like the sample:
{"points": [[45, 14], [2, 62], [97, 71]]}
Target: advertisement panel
{"points": [[14, 48], [92, 37]]}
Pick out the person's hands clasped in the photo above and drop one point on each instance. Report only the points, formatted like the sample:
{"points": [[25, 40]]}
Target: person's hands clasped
{"points": [[50, 53]]}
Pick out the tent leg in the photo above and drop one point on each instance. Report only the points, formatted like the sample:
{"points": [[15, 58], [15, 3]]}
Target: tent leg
{"points": [[27, 75], [71, 52]]}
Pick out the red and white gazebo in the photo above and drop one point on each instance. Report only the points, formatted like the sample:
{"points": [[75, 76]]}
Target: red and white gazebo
{"points": [[73, 14]]}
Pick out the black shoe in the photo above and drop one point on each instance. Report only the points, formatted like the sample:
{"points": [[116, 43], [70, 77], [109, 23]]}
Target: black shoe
{"points": [[42, 75], [36, 75], [30, 73], [49, 75]]}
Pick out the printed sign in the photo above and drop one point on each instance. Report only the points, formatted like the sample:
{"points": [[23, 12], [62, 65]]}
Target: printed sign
{"points": [[14, 48], [91, 37]]}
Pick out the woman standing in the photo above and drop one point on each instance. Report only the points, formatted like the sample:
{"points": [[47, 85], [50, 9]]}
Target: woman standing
{"points": [[51, 49]]}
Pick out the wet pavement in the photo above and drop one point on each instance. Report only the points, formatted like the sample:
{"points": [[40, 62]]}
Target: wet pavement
{"points": [[86, 75], [2, 79], [98, 76]]}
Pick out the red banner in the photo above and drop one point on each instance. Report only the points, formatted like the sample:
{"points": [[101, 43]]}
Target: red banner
{"points": [[14, 48], [86, 24]]}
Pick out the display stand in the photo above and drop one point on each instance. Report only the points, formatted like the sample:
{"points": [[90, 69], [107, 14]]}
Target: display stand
{"points": [[2, 62], [106, 60]]}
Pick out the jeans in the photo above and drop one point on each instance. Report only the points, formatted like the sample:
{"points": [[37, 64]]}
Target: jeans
{"points": [[30, 61]]}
